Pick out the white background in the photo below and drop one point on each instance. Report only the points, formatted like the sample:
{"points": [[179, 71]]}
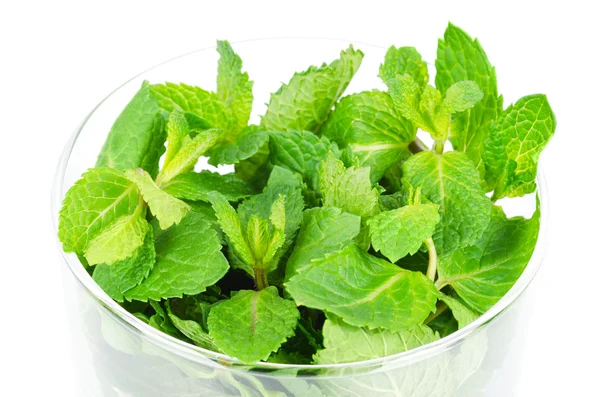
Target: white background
{"points": [[59, 58]]}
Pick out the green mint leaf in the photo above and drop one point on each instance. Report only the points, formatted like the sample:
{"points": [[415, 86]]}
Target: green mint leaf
{"points": [[516, 140], [406, 94], [277, 235], [444, 324], [305, 102], [483, 273], [251, 325], [301, 152], [372, 128], [463, 315], [461, 96], [404, 60], [349, 189], [137, 137], [167, 209], [451, 181], [364, 290], [234, 88], [195, 186], [120, 277], [117, 241], [230, 223], [187, 157], [323, 231], [388, 202], [345, 343], [188, 260], [240, 147], [186, 98], [266, 238], [191, 329], [460, 58], [177, 131], [402, 231], [96, 200], [282, 182]]}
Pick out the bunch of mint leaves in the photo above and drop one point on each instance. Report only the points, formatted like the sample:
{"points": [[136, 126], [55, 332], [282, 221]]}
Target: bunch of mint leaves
{"points": [[340, 236]]}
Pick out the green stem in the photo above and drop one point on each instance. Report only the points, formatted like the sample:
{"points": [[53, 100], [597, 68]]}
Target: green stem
{"points": [[440, 284], [417, 146], [432, 267], [438, 146], [261, 278], [440, 308]]}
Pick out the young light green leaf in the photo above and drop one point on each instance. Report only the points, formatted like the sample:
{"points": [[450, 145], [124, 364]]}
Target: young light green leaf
{"points": [[451, 181], [323, 231], [349, 189], [483, 273], [266, 238], [137, 137], [301, 152], [232, 227], [96, 200], [188, 155], [364, 290], [251, 325], [461, 96], [460, 58], [402, 231], [305, 102], [195, 186], [461, 313], [277, 235], [177, 130], [167, 209], [124, 275], [406, 94], [186, 98], [345, 343], [371, 127], [192, 330], [401, 61], [234, 88], [188, 260], [235, 148], [516, 140], [118, 241]]}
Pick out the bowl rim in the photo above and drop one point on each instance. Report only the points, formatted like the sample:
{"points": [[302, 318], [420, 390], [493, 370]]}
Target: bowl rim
{"points": [[204, 356]]}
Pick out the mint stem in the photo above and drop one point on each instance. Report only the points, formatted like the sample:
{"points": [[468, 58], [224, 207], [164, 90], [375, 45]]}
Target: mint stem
{"points": [[417, 146], [438, 147], [432, 267], [440, 308], [261, 278]]}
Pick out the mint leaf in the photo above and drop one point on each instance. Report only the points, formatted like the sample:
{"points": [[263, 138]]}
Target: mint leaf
{"points": [[120, 277], [192, 330], [234, 88], [323, 231], [301, 152], [118, 240], [516, 140], [177, 130], [401, 61], [137, 137], [167, 209], [96, 200], [187, 157], [241, 147], [349, 189], [460, 58], [402, 231], [482, 273], [251, 325], [461, 313], [364, 290], [461, 96], [451, 181], [305, 102], [371, 127], [345, 343], [186, 98], [196, 186], [188, 260], [265, 238]]}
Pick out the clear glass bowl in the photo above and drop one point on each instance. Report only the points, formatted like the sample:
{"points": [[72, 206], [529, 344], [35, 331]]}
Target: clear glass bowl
{"points": [[118, 355]]}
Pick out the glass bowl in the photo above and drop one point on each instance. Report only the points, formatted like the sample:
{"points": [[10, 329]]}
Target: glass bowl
{"points": [[118, 355]]}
